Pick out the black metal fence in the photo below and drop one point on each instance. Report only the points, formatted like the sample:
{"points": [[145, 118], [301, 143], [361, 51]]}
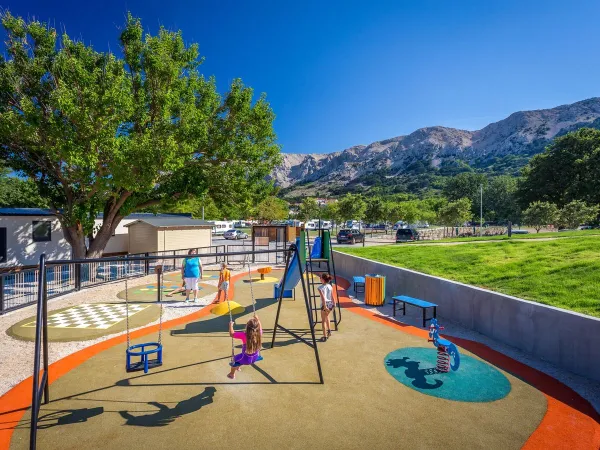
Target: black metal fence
{"points": [[19, 288]]}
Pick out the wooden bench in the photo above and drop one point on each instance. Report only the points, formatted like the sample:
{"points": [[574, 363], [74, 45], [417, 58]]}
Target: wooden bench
{"points": [[359, 282], [415, 302]]}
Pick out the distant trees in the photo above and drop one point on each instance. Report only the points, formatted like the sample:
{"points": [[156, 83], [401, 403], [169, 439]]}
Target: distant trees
{"points": [[455, 213], [540, 214], [352, 207], [569, 169], [309, 209], [19, 193], [272, 208], [576, 213]]}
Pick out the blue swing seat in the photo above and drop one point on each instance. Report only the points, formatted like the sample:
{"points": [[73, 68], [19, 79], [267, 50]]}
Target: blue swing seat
{"points": [[143, 351]]}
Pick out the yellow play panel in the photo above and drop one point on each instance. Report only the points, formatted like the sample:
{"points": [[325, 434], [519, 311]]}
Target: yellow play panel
{"points": [[222, 309]]}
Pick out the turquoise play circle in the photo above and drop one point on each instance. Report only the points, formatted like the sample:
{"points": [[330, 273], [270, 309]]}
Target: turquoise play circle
{"points": [[474, 381]]}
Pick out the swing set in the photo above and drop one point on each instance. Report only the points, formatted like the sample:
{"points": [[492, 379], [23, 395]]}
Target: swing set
{"points": [[149, 355], [41, 391]]}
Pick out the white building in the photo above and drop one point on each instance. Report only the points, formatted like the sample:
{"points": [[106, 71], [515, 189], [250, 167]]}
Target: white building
{"points": [[26, 233]]}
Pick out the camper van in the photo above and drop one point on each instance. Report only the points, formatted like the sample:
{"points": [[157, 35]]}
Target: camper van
{"points": [[353, 224], [221, 226]]}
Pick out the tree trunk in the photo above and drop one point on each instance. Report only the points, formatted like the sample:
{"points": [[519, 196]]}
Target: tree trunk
{"points": [[75, 235]]}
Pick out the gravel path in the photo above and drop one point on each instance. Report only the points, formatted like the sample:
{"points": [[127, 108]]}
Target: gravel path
{"points": [[16, 356]]}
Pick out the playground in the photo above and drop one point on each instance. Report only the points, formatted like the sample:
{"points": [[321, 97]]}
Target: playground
{"points": [[381, 383]]}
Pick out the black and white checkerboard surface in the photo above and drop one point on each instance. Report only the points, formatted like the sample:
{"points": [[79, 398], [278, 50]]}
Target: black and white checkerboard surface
{"points": [[98, 316]]}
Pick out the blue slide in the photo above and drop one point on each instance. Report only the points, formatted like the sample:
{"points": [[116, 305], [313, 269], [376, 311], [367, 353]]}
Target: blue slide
{"points": [[293, 277]]}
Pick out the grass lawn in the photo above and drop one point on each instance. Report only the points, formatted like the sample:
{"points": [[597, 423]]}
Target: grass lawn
{"points": [[549, 234], [563, 273]]}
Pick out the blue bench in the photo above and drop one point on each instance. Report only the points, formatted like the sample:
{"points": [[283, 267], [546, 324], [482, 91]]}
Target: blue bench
{"points": [[415, 302], [359, 282]]}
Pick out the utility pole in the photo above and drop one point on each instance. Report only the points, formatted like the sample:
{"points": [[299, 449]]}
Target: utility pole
{"points": [[480, 209]]}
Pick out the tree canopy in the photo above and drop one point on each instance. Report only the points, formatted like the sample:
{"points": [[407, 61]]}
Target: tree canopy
{"points": [[272, 208], [569, 169], [540, 214], [101, 134], [309, 209]]}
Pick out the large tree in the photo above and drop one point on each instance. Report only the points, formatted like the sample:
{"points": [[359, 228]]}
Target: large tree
{"points": [[500, 199], [540, 214], [455, 213], [576, 213], [272, 208], [308, 209], [352, 207], [568, 170], [101, 134]]}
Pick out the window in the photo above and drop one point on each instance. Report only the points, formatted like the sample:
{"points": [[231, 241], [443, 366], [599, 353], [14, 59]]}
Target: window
{"points": [[2, 245], [42, 231]]}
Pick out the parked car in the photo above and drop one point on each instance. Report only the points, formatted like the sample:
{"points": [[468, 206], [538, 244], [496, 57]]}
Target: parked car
{"points": [[406, 235], [235, 234], [350, 237]]}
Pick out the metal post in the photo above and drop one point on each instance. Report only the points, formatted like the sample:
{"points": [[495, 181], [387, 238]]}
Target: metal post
{"points": [[45, 333], [146, 264], [309, 315], [481, 209], [77, 277], [1, 294], [281, 290]]}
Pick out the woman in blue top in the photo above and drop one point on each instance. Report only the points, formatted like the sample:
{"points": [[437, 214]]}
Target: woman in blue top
{"points": [[191, 271]]}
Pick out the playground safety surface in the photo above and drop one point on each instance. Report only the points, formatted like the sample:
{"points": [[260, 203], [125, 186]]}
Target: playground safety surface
{"points": [[190, 403]]}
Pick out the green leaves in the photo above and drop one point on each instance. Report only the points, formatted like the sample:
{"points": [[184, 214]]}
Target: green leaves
{"points": [[103, 134], [540, 214], [568, 170]]}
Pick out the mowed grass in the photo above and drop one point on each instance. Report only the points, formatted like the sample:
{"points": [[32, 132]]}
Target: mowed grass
{"points": [[564, 273], [534, 235]]}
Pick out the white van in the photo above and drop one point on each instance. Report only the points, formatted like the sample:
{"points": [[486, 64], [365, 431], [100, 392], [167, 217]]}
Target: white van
{"points": [[221, 226], [311, 225]]}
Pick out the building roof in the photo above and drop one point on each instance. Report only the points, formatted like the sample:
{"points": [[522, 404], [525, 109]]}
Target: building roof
{"points": [[25, 212], [175, 222], [134, 216]]}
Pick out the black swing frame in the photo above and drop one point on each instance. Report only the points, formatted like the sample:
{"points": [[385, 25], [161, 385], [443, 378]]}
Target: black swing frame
{"points": [[293, 251], [41, 391]]}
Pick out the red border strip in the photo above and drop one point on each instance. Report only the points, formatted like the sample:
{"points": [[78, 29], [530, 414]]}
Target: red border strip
{"points": [[570, 421], [15, 402]]}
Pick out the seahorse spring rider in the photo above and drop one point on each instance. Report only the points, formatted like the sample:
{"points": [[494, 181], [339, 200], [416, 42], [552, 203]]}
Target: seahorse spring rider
{"points": [[447, 356]]}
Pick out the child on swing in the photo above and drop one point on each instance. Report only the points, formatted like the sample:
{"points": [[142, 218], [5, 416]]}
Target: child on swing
{"points": [[327, 304], [251, 341]]}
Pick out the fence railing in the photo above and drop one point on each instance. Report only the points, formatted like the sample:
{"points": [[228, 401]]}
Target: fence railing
{"points": [[19, 288]]}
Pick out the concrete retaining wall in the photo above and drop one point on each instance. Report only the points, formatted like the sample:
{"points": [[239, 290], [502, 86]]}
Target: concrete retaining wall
{"points": [[564, 338]]}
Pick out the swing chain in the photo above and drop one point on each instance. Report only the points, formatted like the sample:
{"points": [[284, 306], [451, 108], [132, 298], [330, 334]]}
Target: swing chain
{"points": [[251, 287], [230, 320], [127, 302], [161, 310]]}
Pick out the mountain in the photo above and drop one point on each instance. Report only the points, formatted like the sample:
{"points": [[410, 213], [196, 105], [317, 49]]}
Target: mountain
{"points": [[415, 161]]}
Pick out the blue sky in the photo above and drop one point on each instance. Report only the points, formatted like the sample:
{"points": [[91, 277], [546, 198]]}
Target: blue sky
{"points": [[342, 73]]}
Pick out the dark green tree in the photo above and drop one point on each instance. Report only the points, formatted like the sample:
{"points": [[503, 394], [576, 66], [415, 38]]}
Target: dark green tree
{"points": [[272, 208], [576, 213], [500, 200], [569, 169], [309, 209], [540, 214], [98, 133]]}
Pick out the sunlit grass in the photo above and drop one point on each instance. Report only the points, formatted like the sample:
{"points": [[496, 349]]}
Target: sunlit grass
{"points": [[564, 273], [545, 235]]}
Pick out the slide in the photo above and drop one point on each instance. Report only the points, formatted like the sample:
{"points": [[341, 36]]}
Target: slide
{"points": [[293, 274]]}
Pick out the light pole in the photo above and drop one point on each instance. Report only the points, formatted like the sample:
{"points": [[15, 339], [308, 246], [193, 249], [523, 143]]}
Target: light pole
{"points": [[480, 209]]}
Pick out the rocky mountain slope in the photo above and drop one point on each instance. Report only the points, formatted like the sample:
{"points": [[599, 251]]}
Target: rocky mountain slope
{"points": [[501, 147]]}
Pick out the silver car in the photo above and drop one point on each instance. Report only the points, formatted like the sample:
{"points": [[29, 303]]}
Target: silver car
{"points": [[235, 234]]}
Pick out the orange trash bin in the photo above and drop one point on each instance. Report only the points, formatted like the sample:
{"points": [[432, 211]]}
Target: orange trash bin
{"points": [[374, 289]]}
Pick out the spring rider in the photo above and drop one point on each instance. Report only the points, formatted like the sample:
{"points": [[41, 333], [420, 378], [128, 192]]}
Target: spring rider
{"points": [[446, 349]]}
